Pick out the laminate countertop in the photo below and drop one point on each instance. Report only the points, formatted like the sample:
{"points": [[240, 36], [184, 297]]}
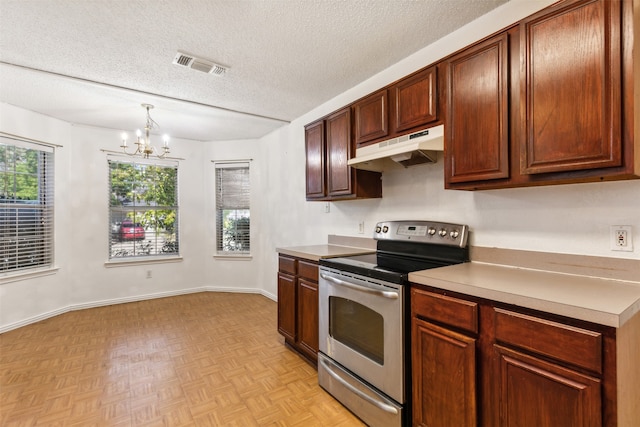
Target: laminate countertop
{"points": [[317, 252], [599, 300]]}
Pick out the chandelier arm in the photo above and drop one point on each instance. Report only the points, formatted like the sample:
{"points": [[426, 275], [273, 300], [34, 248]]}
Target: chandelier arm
{"points": [[143, 142]]}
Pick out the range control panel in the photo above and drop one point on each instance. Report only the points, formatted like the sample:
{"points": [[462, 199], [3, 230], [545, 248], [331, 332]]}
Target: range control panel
{"points": [[442, 233]]}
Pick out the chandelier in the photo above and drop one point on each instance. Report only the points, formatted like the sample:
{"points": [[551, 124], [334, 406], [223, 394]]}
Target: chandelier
{"points": [[143, 143]]}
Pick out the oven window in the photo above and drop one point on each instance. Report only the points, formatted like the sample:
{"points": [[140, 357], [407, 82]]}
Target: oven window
{"points": [[358, 327]]}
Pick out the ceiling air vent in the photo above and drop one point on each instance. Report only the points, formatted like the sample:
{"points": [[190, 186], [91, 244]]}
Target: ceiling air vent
{"points": [[198, 64]]}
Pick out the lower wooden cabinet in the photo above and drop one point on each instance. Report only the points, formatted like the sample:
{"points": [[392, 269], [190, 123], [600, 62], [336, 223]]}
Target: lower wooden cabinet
{"points": [[308, 317], [537, 392], [298, 305], [477, 363], [444, 376]]}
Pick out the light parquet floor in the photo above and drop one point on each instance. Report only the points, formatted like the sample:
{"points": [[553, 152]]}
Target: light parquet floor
{"points": [[205, 359]]}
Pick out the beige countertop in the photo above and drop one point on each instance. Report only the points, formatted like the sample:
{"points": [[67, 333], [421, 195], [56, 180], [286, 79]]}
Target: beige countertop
{"points": [[595, 299], [317, 252], [336, 246]]}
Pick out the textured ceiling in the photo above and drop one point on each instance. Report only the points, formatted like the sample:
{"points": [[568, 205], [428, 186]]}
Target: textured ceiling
{"points": [[94, 62]]}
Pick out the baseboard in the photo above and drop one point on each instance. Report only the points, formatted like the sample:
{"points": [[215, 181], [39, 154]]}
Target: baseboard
{"points": [[34, 319], [102, 303]]}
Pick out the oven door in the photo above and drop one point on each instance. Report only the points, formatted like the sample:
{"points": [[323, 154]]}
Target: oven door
{"points": [[361, 327]]}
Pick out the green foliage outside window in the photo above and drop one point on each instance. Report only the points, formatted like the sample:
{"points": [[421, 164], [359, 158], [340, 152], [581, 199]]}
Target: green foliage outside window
{"points": [[145, 195]]}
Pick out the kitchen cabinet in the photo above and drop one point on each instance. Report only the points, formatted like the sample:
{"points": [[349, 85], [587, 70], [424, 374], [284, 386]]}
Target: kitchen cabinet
{"points": [[315, 154], [547, 101], [570, 88], [408, 104], [328, 148], [298, 305], [414, 100], [444, 360], [557, 366], [522, 368], [308, 308], [371, 117], [477, 131]]}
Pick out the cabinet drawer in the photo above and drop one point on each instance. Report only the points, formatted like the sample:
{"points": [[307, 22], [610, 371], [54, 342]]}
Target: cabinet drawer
{"points": [[308, 270], [569, 344], [287, 265], [444, 309]]}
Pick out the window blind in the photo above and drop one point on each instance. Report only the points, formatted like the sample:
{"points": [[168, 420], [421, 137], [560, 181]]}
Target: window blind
{"points": [[233, 219], [26, 205]]}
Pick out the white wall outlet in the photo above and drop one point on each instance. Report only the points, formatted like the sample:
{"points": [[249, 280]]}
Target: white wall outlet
{"points": [[361, 227], [148, 274], [621, 238], [327, 207]]}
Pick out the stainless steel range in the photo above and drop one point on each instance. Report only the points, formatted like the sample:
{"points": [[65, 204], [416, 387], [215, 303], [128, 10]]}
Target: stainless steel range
{"points": [[364, 316]]}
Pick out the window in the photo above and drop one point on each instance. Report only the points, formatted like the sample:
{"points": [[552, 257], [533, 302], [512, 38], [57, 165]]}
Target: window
{"points": [[232, 208], [26, 206], [143, 209]]}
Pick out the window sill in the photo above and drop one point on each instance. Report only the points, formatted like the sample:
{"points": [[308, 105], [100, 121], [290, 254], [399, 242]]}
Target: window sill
{"points": [[26, 275], [141, 261], [230, 257]]}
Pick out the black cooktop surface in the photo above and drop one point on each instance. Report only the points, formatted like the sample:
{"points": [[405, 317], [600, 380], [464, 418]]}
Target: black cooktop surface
{"points": [[380, 266]]}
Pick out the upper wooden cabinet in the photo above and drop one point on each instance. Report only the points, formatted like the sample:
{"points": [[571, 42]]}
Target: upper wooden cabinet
{"points": [[477, 130], [315, 151], [371, 117], [339, 151], [329, 147], [397, 109], [570, 88], [548, 101], [414, 100]]}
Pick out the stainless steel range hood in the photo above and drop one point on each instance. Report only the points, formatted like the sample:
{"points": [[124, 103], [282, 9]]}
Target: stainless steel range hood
{"points": [[407, 150]]}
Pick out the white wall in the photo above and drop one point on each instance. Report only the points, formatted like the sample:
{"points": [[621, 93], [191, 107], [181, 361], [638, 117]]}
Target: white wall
{"points": [[568, 218]]}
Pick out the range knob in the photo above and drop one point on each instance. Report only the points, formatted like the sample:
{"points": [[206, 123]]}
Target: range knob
{"points": [[431, 231], [378, 229], [442, 232], [454, 234], [385, 229]]}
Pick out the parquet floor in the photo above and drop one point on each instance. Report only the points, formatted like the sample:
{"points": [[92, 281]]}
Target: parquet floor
{"points": [[205, 359]]}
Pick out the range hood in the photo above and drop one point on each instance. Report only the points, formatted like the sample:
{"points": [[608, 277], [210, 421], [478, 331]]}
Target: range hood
{"points": [[407, 150]]}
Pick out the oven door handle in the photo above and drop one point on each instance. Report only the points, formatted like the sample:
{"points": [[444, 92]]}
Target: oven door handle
{"points": [[381, 405], [378, 292]]}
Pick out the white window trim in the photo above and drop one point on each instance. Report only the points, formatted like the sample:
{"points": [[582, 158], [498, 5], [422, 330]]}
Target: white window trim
{"points": [[153, 259], [27, 275], [15, 276], [141, 261]]}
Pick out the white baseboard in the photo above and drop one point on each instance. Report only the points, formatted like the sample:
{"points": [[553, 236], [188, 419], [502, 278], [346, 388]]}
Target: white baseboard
{"points": [[102, 303]]}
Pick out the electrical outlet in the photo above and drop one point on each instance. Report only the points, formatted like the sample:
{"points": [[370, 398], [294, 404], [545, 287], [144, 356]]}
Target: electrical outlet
{"points": [[327, 207], [361, 227], [621, 238], [148, 274]]}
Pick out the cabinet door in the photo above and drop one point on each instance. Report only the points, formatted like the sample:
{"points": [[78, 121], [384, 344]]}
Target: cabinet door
{"points": [[371, 117], [315, 168], [308, 317], [535, 393], [339, 151], [287, 306], [414, 100], [477, 131], [571, 86], [444, 377]]}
